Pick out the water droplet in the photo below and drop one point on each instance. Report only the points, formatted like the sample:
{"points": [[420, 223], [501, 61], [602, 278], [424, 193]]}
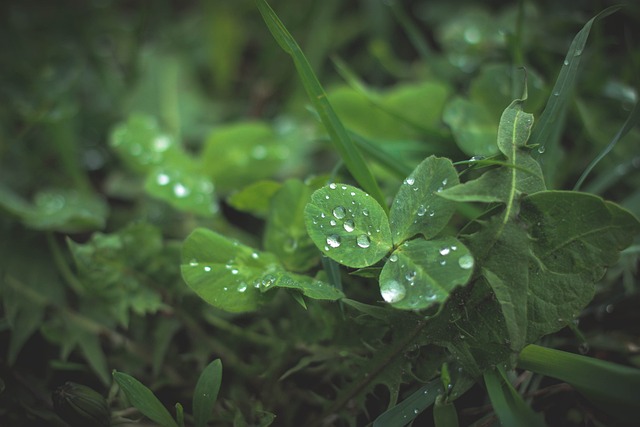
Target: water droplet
{"points": [[410, 181], [422, 210], [444, 181], [349, 225], [432, 213], [333, 186], [566, 62], [180, 190], [365, 212], [410, 276], [242, 287], [454, 248], [333, 222], [339, 212], [541, 149], [443, 262], [393, 258], [392, 291], [234, 271], [363, 241], [465, 261], [416, 411], [353, 193], [556, 93], [207, 268], [162, 179], [255, 255], [578, 52], [193, 263], [333, 240], [161, 143], [445, 251]]}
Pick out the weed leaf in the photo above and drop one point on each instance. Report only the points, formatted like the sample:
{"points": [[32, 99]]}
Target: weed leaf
{"points": [[421, 273], [416, 208]]}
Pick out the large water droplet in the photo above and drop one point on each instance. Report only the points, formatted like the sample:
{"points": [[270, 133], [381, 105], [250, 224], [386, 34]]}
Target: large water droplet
{"points": [[541, 149], [393, 258], [421, 210], [410, 181], [465, 261], [333, 186], [349, 225], [363, 241], [242, 287], [180, 190], [392, 291], [333, 240], [339, 212]]}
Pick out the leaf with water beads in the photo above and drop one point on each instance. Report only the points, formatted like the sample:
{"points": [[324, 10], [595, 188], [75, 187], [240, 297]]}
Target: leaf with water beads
{"points": [[225, 272], [185, 191], [417, 209], [348, 225], [421, 273]]}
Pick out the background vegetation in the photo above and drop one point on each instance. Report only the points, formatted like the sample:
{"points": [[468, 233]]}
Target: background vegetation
{"points": [[90, 238]]}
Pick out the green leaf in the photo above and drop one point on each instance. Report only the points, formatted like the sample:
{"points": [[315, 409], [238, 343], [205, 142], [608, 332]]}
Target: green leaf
{"points": [[574, 237], [346, 148], [508, 404], [182, 188], [143, 399], [407, 410], [473, 127], [143, 146], [238, 154], [312, 288], [348, 225], [206, 393], [223, 272], [612, 387], [421, 273], [285, 233], [255, 198], [417, 209], [444, 413]]}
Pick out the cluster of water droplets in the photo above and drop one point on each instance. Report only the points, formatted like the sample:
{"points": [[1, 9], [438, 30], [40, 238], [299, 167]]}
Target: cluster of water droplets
{"points": [[343, 219]]}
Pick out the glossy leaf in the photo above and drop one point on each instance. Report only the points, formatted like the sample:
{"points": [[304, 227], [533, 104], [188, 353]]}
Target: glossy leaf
{"points": [[143, 399], [348, 225], [206, 393], [416, 208], [309, 286], [421, 273]]}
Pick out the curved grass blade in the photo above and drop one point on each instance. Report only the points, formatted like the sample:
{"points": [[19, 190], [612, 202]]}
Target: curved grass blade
{"points": [[632, 120], [346, 148], [206, 393], [547, 132], [612, 387], [407, 410], [507, 403]]}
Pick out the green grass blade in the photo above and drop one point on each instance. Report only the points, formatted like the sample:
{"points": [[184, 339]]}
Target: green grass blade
{"points": [[551, 121], [143, 399], [632, 120], [346, 148], [614, 388], [507, 403], [206, 393], [407, 410]]}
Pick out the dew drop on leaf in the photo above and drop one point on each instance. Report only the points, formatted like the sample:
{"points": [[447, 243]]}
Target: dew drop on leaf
{"points": [[333, 186], [180, 190], [242, 287], [162, 179], [410, 181], [465, 261], [207, 269], [363, 241], [392, 291], [333, 240], [365, 212], [445, 251], [421, 210], [349, 225], [393, 258], [339, 212]]}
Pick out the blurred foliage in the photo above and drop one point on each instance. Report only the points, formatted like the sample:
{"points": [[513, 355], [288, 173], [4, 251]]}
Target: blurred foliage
{"points": [[126, 125]]}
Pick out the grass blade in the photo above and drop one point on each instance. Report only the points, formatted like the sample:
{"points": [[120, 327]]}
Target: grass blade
{"points": [[346, 148], [507, 403], [407, 410], [615, 388], [206, 393], [143, 399], [632, 120], [550, 121]]}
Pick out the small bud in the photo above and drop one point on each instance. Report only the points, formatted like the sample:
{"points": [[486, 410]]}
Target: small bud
{"points": [[81, 406]]}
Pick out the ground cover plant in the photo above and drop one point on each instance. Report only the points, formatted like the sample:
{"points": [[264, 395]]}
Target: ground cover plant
{"points": [[409, 213]]}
